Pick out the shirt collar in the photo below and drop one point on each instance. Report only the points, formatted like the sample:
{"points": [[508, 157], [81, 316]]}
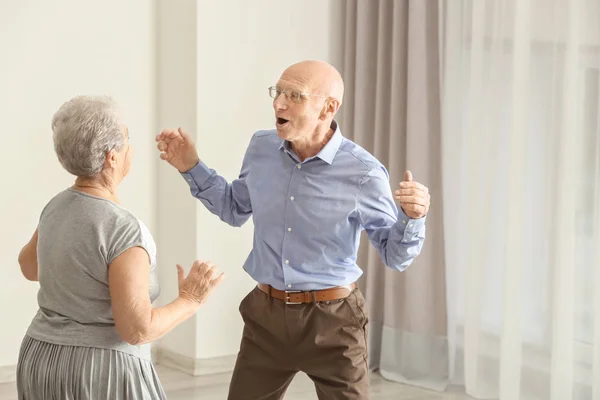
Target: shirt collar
{"points": [[329, 151]]}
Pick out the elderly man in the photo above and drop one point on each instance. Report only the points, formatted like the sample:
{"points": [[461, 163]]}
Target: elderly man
{"points": [[311, 192]]}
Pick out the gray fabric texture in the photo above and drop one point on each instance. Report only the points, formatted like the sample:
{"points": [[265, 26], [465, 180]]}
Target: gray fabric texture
{"points": [[57, 372], [72, 348]]}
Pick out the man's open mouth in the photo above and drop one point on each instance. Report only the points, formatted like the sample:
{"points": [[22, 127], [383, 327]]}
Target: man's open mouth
{"points": [[281, 121]]}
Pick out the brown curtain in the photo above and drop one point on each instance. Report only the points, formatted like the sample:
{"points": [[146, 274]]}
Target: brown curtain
{"points": [[392, 108]]}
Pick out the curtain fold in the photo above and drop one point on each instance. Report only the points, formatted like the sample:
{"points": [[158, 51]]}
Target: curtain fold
{"points": [[392, 109]]}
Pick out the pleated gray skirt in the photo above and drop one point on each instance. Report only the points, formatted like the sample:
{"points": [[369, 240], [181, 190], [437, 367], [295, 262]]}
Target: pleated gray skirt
{"points": [[56, 372]]}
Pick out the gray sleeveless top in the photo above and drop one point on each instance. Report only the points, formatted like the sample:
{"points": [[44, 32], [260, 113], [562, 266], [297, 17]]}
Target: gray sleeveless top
{"points": [[79, 235]]}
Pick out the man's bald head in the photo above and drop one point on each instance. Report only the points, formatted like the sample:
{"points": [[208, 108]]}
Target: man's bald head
{"points": [[317, 77], [308, 96]]}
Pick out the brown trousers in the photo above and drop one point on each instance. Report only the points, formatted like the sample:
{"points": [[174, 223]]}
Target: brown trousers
{"points": [[326, 340]]}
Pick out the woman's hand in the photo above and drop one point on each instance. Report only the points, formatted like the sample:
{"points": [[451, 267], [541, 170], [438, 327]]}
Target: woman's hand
{"points": [[199, 283], [136, 321]]}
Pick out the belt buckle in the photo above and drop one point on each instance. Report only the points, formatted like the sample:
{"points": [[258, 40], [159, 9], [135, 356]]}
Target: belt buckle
{"points": [[287, 297]]}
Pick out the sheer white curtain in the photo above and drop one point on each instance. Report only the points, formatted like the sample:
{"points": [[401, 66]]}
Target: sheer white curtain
{"points": [[521, 158]]}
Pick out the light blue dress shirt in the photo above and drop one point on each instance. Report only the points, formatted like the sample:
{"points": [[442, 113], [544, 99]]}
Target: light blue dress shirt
{"points": [[308, 215]]}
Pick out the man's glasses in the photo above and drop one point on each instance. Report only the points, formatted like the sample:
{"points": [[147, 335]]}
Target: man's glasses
{"points": [[291, 95]]}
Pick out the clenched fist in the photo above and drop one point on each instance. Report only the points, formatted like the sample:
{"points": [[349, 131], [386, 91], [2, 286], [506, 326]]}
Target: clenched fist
{"points": [[199, 283], [413, 197], [178, 149]]}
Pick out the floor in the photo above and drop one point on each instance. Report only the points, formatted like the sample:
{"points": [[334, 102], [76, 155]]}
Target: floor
{"points": [[180, 386]]}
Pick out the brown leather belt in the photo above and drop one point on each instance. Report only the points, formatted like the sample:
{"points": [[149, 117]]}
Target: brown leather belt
{"points": [[300, 297]]}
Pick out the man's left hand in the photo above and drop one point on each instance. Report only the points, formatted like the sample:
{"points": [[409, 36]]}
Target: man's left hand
{"points": [[413, 197]]}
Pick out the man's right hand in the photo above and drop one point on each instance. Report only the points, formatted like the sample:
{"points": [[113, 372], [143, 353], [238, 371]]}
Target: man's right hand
{"points": [[178, 149]]}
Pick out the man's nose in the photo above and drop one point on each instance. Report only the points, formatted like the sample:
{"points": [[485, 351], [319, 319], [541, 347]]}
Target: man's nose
{"points": [[280, 103]]}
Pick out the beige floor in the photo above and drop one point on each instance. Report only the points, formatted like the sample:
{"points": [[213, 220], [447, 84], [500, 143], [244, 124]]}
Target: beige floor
{"points": [[180, 386]]}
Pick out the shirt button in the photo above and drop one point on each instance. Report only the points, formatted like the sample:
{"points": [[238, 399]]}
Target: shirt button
{"points": [[289, 229], [189, 180], [404, 221], [410, 225], [299, 166], [289, 286], [287, 261], [292, 198]]}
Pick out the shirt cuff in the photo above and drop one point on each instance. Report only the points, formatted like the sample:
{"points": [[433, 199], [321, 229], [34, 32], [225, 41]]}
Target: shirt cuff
{"points": [[197, 176], [412, 227]]}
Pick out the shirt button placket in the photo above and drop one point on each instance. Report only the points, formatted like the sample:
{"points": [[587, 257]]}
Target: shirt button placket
{"points": [[289, 228]]}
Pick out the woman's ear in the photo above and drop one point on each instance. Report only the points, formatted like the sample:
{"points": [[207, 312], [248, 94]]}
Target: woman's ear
{"points": [[111, 159]]}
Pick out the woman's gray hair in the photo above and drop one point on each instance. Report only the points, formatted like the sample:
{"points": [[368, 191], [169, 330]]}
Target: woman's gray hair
{"points": [[85, 129]]}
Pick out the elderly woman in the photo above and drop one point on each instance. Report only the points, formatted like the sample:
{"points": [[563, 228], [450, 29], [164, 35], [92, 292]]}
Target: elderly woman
{"points": [[95, 262]]}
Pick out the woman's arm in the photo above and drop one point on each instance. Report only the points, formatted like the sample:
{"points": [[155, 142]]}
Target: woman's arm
{"points": [[136, 321], [28, 258]]}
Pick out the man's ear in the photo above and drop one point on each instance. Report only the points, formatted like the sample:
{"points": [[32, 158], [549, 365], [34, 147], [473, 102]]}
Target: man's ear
{"points": [[330, 108]]}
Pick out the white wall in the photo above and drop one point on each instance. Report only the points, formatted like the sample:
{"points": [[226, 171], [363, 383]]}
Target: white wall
{"points": [[51, 51], [241, 49], [203, 65], [243, 46], [176, 229]]}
